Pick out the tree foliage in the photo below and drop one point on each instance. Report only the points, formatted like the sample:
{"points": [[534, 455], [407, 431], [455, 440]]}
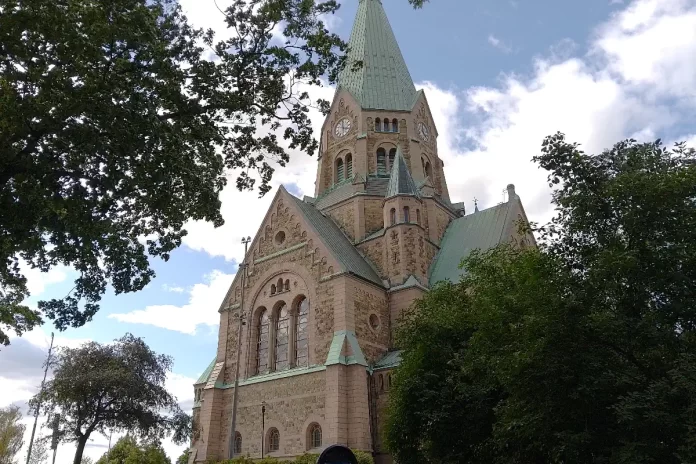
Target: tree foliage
{"points": [[120, 121], [583, 351], [11, 433], [113, 387], [40, 451], [127, 450]]}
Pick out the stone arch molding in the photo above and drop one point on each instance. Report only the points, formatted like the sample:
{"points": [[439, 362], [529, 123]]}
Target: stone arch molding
{"points": [[304, 433]]}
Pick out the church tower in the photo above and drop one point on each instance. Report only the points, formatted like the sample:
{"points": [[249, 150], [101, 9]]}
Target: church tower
{"points": [[308, 326]]}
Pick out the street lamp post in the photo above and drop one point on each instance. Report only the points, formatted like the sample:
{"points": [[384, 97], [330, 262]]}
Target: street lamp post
{"points": [[240, 314], [263, 426]]}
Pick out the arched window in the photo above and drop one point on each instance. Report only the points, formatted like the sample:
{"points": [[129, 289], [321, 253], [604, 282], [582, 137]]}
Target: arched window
{"points": [[287, 285], [389, 381], [378, 125], [263, 340], [423, 165], [282, 337], [273, 289], [280, 285], [407, 217], [392, 217], [349, 166], [381, 161], [381, 382], [339, 170], [237, 443], [314, 436], [395, 125], [386, 125], [273, 440], [392, 156], [301, 333], [428, 170], [418, 220]]}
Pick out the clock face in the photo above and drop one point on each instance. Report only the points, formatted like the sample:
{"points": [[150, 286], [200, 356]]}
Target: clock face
{"points": [[423, 131], [342, 128]]}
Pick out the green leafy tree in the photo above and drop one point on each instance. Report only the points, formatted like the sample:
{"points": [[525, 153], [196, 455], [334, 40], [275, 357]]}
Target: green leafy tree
{"points": [[119, 121], [583, 351], [40, 451], [128, 451], [86, 460], [11, 433], [118, 386], [183, 459]]}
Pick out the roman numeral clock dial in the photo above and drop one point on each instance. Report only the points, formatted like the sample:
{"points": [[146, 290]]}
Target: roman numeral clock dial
{"points": [[342, 128]]}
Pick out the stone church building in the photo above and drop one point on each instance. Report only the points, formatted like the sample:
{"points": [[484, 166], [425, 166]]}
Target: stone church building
{"points": [[328, 276]]}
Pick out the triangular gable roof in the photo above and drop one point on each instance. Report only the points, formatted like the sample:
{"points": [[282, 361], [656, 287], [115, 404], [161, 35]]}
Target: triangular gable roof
{"points": [[400, 181], [337, 243], [382, 82], [482, 230]]}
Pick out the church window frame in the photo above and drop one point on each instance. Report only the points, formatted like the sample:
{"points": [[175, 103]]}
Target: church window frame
{"points": [[287, 285], [300, 335], [273, 440], [407, 215], [392, 158], [385, 128], [340, 170], [382, 162], [418, 217], [392, 217], [349, 166], [314, 439], [263, 340], [378, 125], [395, 125], [281, 337], [237, 450]]}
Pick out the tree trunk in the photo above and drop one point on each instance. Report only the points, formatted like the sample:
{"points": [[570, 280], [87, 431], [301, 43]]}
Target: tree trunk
{"points": [[80, 449]]}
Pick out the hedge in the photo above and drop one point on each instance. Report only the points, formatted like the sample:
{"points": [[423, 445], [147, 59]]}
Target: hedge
{"points": [[362, 456]]}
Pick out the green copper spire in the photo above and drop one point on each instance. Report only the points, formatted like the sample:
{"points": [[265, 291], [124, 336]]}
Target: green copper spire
{"points": [[383, 81], [400, 181]]}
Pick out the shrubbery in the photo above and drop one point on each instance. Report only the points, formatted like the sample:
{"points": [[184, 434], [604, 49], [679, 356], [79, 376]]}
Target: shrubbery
{"points": [[362, 456]]}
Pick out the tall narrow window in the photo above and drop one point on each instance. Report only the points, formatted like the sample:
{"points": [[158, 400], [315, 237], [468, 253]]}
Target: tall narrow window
{"points": [[392, 217], [407, 217], [428, 170], [395, 125], [301, 333], [349, 166], [386, 125], [315, 436], [263, 339], [282, 337], [287, 285], [378, 125], [392, 156], [381, 162], [418, 221], [237, 443], [274, 440], [339, 170], [423, 164]]}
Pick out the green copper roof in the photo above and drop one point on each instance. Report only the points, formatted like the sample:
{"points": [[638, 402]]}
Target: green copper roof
{"points": [[482, 230], [345, 339], [400, 181], [390, 360], [383, 81], [337, 242], [206, 373]]}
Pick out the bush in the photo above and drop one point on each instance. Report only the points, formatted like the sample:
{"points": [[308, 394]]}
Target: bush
{"points": [[363, 458]]}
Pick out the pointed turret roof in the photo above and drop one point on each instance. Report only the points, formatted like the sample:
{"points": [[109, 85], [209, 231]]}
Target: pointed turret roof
{"points": [[383, 81], [400, 181]]}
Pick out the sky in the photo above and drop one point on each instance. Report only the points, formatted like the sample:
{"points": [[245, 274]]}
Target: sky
{"points": [[499, 75]]}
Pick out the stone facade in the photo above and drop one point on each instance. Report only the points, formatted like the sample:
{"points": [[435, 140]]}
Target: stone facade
{"points": [[312, 316]]}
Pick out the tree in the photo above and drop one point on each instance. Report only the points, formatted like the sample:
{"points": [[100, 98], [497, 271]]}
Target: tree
{"points": [[583, 351], [119, 122], [86, 460], [39, 451], [119, 387], [11, 434], [128, 451], [183, 459]]}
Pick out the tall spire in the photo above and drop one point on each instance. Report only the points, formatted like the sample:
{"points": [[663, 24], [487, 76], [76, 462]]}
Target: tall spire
{"points": [[383, 81], [400, 181]]}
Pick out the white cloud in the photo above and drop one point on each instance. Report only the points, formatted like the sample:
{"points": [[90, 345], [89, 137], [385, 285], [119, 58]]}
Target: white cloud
{"points": [[173, 289], [499, 44], [201, 309], [37, 281]]}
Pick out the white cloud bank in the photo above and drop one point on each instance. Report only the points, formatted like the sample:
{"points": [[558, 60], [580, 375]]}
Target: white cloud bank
{"points": [[204, 300]]}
